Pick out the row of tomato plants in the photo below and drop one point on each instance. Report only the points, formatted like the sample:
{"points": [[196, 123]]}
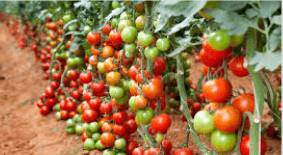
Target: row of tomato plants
{"points": [[121, 81]]}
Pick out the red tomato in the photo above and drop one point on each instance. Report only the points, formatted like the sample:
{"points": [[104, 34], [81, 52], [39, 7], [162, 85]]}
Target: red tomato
{"points": [[131, 146], [93, 38], [196, 106], [208, 60], [56, 76], [215, 53], [159, 65], [50, 102], [133, 71], [98, 87], [73, 74], [107, 139], [64, 114], [161, 123], [245, 145], [89, 115], [236, 65], [95, 103], [105, 108], [84, 136], [167, 145], [115, 37], [131, 126], [153, 89], [119, 117], [220, 73], [217, 90], [119, 129], [85, 77], [70, 105], [244, 102], [107, 28], [44, 110], [76, 94], [184, 151], [138, 151]]}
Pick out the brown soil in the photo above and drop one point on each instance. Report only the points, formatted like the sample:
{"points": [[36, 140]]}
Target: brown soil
{"points": [[25, 132]]}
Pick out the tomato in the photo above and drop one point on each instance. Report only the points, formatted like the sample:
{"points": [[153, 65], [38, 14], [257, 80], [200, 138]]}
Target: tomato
{"points": [[212, 106], [113, 78], [140, 102], [152, 89], [144, 39], [215, 54], [95, 103], [64, 114], [89, 144], [213, 70], [236, 65], [196, 106], [89, 115], [219, 40], [100, 67], [223, 142], [124, 23], [76, 94], [131, 126], [152, 151], [85, 77], [107, 139], [115, 37], [245, 145], [129, 34], [106, 127], [227, 119], [107, 28], [154, 103], [98, 87], [209, 61], [107, 52], [161, 123], [151, 52], [218, 90], [116, 92], [163, 44], [94, 127], [159, 65], [54, 85], [244, 102], [203, 122], [145, 115], [138, 151], [93, 38], [49, 93], [119, 129], [132, 145], [237, 40], [120, 144], [133, 72], [109, 65], [50, 102], [105, 108], [119, 117], [140, 22], [39, 104], [184, 151], [44, 110], [131, 48]]}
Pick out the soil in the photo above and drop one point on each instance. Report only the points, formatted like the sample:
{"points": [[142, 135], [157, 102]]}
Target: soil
{"points": [[25, 132]]}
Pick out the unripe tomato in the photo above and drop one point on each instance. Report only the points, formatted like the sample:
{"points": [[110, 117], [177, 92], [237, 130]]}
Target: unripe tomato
{"points": [[223, 142], [203, 122], [219, 40], [163, 44]]}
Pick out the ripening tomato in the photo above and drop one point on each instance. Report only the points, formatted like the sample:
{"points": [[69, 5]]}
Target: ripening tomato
{"points": [[106, 127], [218, 90], [107, 52], [139, 76], [161, 123], [109, 65], [216, 54], [140, 102], [152, 89], [244, 102], [133, 71], [93, 38], [245, 145], [159, 65], [107, 139], [227, 119], [236, 65], [113, 78], [115, 37], [211, 106], [89, 115]]}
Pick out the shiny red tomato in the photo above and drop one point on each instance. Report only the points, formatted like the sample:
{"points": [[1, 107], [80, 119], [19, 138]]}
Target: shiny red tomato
{"points": [[217, 90], [245, 145], [236, 65], [89, 115], [159, 65], [161, 123]]}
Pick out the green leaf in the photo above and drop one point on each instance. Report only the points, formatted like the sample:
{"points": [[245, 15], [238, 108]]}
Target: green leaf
{"points": [[274, 39], [180, 7], [76, 33], [234, 23], [83, 3], [87, 45], [232, 5], [176, 51], [251, 12], [179, 26], [267, 8], [162, 22], [76, 43], [70, 23], [268, 60], [114, 12], [277, 19]]}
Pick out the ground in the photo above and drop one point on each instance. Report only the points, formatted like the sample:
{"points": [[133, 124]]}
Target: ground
{"points": [[25, 132]]}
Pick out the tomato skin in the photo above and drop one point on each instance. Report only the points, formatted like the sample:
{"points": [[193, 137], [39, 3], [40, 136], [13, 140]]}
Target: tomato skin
{"points": [[145, 115], [105, 108], [44, 110], [133, 72], [227, 119], [245, 145], [64, 114], [115, 37], [131, 126], [167, 145], [49, 93], [119, 117], [93, 38], [153, 89], [159, 64], [107, 139], [85, 77], [244, 102], [209, 61], [223, 142], [132, 145], [76, 94], [196, 106], [184, 151], [161, 123], [129, 34], [217, 90], [203, 122], [216, 54], [98, 87], [236, 65], [107, 28], [140, 102], [219, 40], [138, 151], [95, 103], [119, 129], [89, 115], [113, 78]]}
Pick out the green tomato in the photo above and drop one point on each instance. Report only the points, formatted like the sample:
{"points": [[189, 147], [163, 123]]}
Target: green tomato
{"points": [[126, 84], [132, 103], [124, 23], [87, 29], [57, 107], [79, 61], [120, 144], [124, 15], [73, 27], [98, 145], [203, 122], [145, 115], [100, 67], [108, 152], [115, 4], [67, 18], [185, 55], [187, 64], [116, 92], [172, 102], [159, 137], [58, 115], [77, 118], [151, 52], [121, 153], [48, 39], [79, 109], [223, 142], [88, 133], [163, 44], [94, 126], [70, 130], [96, 136], [129, 34], [140, 22], [237, 40], [86, 126], [70, 123], [123, 100], [89, 144], [79, 129], [71, 62], [145, 39], [130, 47], [219, 40], [114, 22]]}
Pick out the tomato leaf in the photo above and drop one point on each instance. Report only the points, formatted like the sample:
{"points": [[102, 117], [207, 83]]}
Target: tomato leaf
{"points": [[251, 12], [83, 3], [183, 24], [162, 22], [274, 39], [70, 23], [176, 51], [232, 5], [76, 43], [277, 19], [267, 8], [231, 21], [268, 60]]}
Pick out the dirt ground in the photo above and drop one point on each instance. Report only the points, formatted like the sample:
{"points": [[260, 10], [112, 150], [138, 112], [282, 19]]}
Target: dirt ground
{"points": [[25, 132]]}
